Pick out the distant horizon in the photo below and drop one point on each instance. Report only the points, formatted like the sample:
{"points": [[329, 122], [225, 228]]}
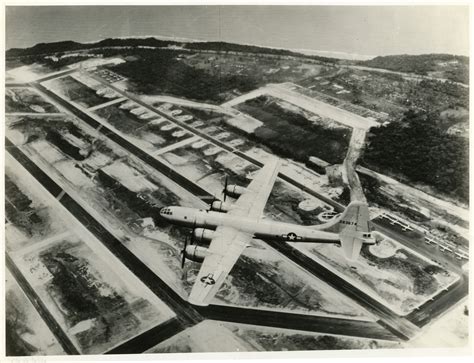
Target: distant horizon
{"points": [[322, 53], [340, 29]]}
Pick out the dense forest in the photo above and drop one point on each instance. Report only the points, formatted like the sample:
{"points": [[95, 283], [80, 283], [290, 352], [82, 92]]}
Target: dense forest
{"points": [[160, 72], [454, 67], [419, 150]]}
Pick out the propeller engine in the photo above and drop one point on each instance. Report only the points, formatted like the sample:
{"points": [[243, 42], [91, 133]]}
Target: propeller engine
{"points": [[220, 206], [232, 189], [235, 190], [193, 253], [203, 234]]}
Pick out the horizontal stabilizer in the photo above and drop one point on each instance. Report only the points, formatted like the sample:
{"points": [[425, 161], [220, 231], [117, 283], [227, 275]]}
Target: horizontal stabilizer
{"points": [[354, 229], [351, 247]]}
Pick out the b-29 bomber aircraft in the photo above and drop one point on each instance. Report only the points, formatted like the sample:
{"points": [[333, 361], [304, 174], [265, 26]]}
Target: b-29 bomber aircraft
{"points": [[229, 227]]}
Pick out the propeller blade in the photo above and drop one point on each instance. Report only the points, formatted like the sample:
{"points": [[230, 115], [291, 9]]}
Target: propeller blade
{"points": [[184, 252], [225, 188], [192, 232], [212, 202]]}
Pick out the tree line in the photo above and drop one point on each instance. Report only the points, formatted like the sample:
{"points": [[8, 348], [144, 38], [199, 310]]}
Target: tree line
{"points": [[418, 150]]}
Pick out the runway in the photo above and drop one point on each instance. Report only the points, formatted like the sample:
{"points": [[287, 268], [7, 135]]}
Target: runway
{"points": [[390, 326], [402, 328], [305, 322], [186, 314]]}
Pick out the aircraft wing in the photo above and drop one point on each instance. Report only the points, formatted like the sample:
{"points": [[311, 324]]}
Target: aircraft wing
{"points": [[252, 202], [224, 251]]}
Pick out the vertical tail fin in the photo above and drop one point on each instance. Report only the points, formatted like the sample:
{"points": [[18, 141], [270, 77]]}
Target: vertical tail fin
{"points": [[354, 229]]}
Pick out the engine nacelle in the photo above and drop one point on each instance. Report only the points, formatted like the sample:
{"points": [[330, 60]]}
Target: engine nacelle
{"points": [[235, 190], [195, 253], [203, 234], [221, 206]]}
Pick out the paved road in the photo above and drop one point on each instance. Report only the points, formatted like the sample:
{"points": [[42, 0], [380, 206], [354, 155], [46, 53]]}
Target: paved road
{"points": [[187, 315], [350, 162], [185, 312], [412, 76], [399, 326], [150, 160], [55, 75], [390, 319], [57, 331], [415, 241], [149, 339], [338, 207], [305, 322], [440, 303], [16, 85]]}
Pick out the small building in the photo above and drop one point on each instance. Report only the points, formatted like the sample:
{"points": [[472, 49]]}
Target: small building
{"points": [[318, 164]]}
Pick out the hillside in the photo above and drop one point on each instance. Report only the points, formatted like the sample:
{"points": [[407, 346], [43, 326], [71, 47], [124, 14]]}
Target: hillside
{"points": [[452, 67], [66, 46]]}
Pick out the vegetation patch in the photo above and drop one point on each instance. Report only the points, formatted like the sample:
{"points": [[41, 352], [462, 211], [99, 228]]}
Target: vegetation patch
{"points": [[420, 271], [282, 341], [80, 93], [123, 196], [26, 100], [291, 135], [417, 150], [159, 72], [452, 67], [19, 210], [122, 120]]}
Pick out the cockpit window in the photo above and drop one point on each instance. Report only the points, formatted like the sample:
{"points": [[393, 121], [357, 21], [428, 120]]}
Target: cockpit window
{"points": [[166, 211]]}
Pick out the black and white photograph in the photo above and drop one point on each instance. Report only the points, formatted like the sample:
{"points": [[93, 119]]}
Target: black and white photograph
{"points": [[236, 179]]}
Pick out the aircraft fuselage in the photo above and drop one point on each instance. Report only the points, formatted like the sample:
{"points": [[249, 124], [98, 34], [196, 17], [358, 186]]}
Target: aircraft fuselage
{"points": [[259, 228]]}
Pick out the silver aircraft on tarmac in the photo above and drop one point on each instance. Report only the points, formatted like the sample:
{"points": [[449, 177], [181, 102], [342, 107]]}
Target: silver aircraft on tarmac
{"points": [[229, 227]]}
